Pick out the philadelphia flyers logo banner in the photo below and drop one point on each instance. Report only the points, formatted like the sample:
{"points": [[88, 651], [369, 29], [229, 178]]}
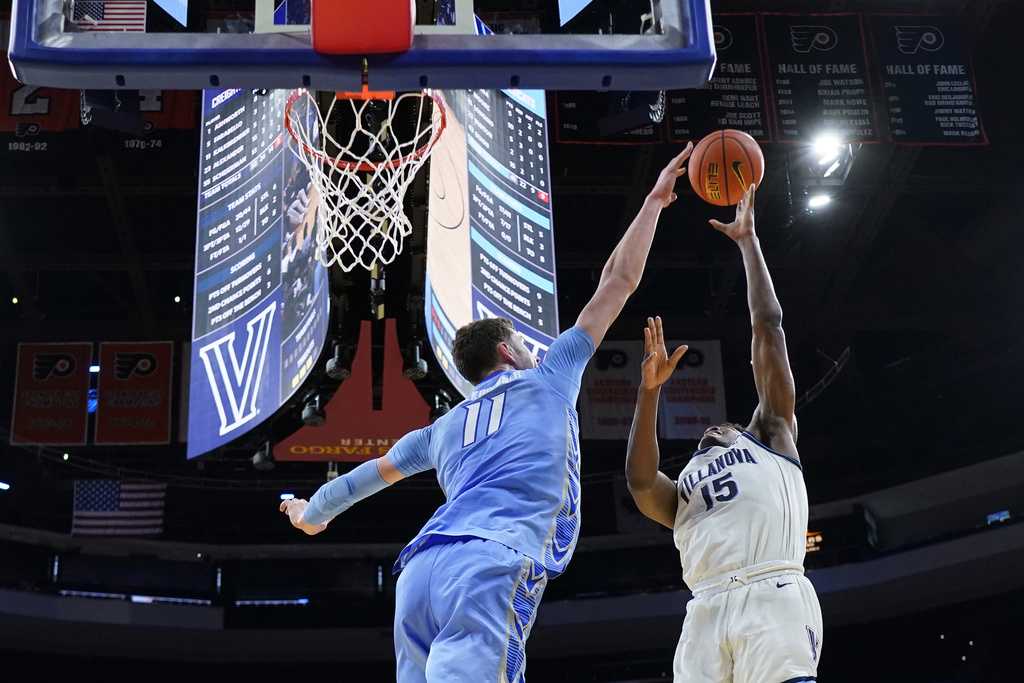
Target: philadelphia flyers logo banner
{"points": [[51, 394], [134, 393]]}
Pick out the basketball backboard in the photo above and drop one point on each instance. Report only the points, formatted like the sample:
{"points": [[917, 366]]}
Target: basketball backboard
{"points": [[51, 46]]}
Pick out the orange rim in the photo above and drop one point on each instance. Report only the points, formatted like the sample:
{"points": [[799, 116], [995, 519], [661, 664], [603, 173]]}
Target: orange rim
{"points": [[367, 166]]}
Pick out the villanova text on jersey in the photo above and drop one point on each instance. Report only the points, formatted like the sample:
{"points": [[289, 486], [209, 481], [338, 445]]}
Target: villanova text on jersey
{"points": [[508, 460]]}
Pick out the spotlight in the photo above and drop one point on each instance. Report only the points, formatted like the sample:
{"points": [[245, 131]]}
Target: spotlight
{"points": [[442, 404], [263, 459], [4, 486], [337, 366], [417, 368], [818, 201], [94, 369], [287, 496], [66, 457], [14, 300], [177, 299], [313, 413], [827, 147]]}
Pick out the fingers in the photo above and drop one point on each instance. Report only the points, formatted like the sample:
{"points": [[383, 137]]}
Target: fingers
{"points": [[678, 354], [647, 342], [659, 333], [717, 225], [685, 154], [282, 506]]}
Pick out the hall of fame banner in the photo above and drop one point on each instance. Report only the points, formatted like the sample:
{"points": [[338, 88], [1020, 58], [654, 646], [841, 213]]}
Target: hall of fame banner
{"points": [[788, 77], [691, 401]]}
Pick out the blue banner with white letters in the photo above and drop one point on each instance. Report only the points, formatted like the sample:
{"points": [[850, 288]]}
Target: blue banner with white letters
{"points": [[261, 303]]}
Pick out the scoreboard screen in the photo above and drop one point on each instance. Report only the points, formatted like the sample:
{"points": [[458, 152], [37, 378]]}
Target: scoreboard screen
{"points": [[261, 303], [490, 240]]}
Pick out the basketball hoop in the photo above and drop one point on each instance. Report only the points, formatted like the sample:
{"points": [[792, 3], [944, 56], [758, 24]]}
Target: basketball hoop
{"points": [[363, 153]]}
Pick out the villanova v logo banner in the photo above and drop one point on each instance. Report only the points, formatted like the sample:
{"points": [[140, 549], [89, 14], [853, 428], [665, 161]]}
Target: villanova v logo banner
{"points": [[235, 376]]}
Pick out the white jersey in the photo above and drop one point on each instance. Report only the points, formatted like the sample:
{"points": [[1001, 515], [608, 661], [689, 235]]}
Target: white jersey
{"points": [[739, 507]]}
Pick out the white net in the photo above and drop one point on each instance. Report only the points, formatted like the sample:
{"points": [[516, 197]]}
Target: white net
{"points": [[363, 155]]}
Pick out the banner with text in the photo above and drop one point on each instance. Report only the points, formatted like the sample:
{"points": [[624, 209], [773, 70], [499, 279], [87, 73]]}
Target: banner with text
{"points": [[691, 401], [819, 76], [51, 392], [134, 393], [926, 74], [735, 97]]}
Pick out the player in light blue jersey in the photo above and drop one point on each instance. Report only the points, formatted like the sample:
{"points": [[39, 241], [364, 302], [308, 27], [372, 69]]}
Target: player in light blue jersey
{"points": [[507, 459]]}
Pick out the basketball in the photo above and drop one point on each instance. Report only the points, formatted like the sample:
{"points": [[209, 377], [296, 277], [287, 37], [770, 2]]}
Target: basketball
{"points": [[723, 165]]}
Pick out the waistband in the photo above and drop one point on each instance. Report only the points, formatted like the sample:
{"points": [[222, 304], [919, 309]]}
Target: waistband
{"points": [[746, 575]]}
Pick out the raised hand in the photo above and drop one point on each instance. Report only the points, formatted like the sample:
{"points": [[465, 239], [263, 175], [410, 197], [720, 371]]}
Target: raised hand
{"points": [[294, 509], [664, 190], [742, 226], [658, 366]]}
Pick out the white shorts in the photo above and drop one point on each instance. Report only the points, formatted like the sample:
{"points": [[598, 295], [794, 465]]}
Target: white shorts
{"points": [[765, 631]]}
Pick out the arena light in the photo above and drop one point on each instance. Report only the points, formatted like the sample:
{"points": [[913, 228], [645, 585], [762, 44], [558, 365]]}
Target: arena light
{"points": [[287, 496], [827, 147], [4, 486], [66, 457], [177, 299], [818, 201], [14, 300], [94, 369]]}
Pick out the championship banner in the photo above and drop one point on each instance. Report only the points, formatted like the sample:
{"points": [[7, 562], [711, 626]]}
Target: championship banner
{"points": [[735, 97], [354, 431], [691, 401], [51, 392], [926, 73], [134, 393], [694, 399], [819, 78]]}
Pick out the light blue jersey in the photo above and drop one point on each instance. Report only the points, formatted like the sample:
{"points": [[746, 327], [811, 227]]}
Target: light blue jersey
{"points": [[508, 460]]}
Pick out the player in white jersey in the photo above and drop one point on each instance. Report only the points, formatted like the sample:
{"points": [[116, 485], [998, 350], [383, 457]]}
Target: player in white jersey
{"points": [[738, 511]]}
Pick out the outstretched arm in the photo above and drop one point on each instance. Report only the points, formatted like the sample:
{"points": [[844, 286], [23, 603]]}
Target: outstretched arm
{"points": [[409, 456], [624, 268], [652, 491], [774, 421]]}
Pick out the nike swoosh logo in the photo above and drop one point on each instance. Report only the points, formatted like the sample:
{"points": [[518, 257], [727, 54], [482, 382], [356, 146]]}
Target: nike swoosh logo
{"points": [[737, 168], [783, 585]]}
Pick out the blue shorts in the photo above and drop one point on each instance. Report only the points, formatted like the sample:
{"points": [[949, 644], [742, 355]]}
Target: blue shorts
{"points": [[463, 612]]}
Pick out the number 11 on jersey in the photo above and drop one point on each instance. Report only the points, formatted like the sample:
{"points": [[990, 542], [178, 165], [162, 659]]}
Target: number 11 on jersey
{"points": [[497, 410]]}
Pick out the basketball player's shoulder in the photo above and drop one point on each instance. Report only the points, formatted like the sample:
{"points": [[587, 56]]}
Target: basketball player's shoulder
{"points": [[774, 435]]}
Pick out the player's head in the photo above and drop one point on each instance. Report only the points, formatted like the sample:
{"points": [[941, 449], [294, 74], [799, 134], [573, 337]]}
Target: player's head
{"points": [[484, 346], [724, 434]]}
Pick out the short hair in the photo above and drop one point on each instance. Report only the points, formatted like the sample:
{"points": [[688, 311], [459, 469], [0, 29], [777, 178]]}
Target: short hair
{"points": [[476, 347]]}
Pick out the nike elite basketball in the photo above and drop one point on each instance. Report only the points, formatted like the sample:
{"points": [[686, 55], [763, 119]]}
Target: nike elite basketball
{"points": [[723, 165]]}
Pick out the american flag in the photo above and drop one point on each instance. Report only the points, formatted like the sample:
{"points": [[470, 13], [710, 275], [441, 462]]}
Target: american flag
{"points": [[108, 507], [110, 15]]}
